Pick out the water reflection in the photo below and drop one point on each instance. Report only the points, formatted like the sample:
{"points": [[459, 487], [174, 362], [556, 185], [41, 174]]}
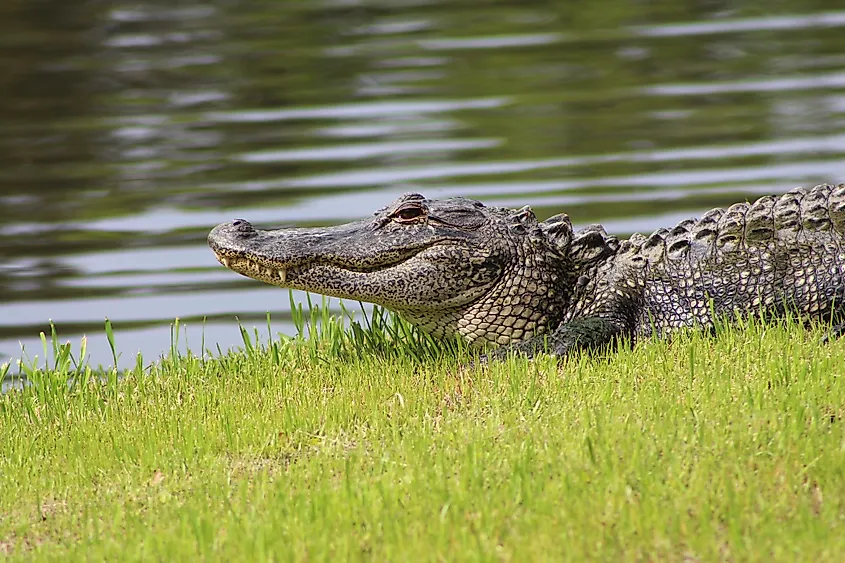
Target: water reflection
{"points": [[131, 129]]}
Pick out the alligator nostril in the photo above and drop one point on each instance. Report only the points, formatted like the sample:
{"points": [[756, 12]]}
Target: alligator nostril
{"points": [[243, 227]]}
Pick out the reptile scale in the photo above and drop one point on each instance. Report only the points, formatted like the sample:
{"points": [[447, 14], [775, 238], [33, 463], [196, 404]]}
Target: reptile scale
{"points": [[500, 277]]}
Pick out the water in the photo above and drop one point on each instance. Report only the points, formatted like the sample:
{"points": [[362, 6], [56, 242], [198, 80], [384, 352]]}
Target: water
{"points": [[131, 128]]}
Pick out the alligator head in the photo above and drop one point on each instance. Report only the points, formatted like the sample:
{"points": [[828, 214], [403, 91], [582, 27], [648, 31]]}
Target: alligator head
{"points": [[490, 274]]}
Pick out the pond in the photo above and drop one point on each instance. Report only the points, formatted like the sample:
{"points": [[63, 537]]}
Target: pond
{"points": [[131, 128]]}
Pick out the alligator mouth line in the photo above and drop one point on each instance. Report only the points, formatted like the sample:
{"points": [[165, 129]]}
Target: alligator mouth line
{"points": [[281, 273], [247, 265]]}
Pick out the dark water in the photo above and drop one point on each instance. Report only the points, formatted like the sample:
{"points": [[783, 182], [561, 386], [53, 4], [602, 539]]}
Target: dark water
{"points": [[129, 129]]}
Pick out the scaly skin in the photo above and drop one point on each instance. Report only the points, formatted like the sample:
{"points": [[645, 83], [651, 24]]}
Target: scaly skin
{"points": [[499, 277]]}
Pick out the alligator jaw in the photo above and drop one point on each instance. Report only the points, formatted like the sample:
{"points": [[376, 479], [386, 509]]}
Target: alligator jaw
{"points": [[243, 265], [249, 267], [347, 261], [286, 276]]}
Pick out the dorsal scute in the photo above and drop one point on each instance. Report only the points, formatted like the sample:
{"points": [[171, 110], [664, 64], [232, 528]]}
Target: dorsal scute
{"points": [[787, 211], [631, 245], [636, 241], [679, 239], [731, 227], [557, 230], [630, 250], [836, 208], [815, 209], [654, 246], [705, 229], [591, 244], [760, 220]]}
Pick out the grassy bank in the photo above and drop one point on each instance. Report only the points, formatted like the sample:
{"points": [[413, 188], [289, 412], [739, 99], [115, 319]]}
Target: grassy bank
{"points": [[700, 449]]}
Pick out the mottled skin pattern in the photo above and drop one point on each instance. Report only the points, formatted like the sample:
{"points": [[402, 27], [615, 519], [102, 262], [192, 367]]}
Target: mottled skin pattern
{"points": [[499, 277]]}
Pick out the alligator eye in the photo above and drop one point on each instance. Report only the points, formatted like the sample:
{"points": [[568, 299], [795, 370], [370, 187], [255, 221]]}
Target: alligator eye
{"points": [[409, 213]]}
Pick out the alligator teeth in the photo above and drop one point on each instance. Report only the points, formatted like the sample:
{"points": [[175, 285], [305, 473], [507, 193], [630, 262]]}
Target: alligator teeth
{"points": [[268, 271], [225, 261], [283, 274]]}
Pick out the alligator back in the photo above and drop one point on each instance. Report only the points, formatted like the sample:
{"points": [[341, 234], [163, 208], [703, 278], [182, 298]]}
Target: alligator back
{"points": [[775, 255]]}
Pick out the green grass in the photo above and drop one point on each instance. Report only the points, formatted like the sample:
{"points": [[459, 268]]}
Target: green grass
{"points": [[371, 443]]}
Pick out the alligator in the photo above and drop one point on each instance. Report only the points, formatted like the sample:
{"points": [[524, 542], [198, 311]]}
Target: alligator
{"points": [[499, 277]]}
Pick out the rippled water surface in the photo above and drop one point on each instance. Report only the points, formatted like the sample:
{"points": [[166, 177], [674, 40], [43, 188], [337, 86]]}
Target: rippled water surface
{"points": [[130, 129]]}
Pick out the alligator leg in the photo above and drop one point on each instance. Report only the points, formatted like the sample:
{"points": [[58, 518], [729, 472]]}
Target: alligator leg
{"points": [[588, 333]]}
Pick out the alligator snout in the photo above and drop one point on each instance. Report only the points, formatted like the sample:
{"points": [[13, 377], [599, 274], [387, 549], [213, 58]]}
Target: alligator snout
{"points": [[240, 227], [232, 232]]}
